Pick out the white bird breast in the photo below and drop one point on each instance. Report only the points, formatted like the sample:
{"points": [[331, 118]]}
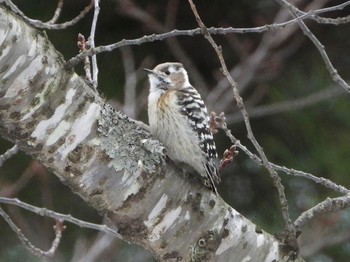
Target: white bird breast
{"points": [[174, 131]]}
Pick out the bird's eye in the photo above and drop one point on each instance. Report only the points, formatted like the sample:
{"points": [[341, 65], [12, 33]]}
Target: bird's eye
{"points": [[167, 72]]}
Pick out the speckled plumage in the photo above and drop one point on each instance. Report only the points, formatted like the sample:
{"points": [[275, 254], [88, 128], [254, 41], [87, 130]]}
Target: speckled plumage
{"points": [[178, 118]]}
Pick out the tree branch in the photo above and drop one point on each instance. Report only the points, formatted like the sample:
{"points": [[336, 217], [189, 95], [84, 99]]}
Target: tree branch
{"points": [[92, 43], [321, 49], [190, 32], [57, 12], [58, 216], [8, 154], [28, 245], [326, 206], [49, 25]]}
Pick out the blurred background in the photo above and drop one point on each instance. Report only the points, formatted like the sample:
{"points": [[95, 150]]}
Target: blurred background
{"points": [[299, 116]]}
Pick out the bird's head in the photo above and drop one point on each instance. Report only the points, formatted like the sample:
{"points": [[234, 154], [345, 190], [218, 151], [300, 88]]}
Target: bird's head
{"points": [[168, 76]]}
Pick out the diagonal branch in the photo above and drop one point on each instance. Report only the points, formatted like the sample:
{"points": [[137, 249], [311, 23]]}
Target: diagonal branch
{"points": [[289, 227], [58, 216], [8, 154], [327, 206], [48, 25], [321, 49]]}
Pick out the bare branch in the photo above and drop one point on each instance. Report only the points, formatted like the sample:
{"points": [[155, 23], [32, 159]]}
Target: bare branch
{"points": [[8, 154], [59, 227], [329, 9], [57, 12], [48, 25], [319, 180], [332, 21], [321, 49], [59, 216], [325, 20], [326, 206], [190, 32], [92, 43], [84, 45], [247, 71]]}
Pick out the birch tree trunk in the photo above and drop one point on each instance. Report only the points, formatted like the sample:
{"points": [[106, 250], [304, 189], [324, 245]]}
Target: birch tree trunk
{"points": [[115, 166]]}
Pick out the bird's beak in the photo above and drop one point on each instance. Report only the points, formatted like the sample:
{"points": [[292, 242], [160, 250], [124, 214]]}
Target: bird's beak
{"points": [[152, 74], [149, 71]]}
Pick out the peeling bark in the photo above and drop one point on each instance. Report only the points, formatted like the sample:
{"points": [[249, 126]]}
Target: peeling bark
{"points": [[112, 163]]}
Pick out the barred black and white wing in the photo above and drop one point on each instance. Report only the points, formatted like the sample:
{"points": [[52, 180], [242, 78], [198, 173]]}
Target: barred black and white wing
{"points": [[194, 109]]}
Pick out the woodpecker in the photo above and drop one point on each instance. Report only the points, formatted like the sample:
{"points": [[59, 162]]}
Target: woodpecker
{"points": [[178, 118]]}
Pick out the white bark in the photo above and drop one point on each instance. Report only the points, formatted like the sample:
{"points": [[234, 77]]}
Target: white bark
{"points": [[115, 166]]}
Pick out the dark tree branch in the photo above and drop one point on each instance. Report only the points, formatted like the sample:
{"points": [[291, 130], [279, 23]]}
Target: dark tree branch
{"points": [[49, 25]]}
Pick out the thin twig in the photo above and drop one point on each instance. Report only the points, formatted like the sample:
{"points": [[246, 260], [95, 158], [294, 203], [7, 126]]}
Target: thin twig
{"points": [[92, 44], [59, 216], [319, 180], [57, 12], [332, 21], [326, 20], [59, 227], [329, 9], [286, 106], [71, 63], [321, 49], [49, 26], [327, 206], [247, 71], [191, 32], [84, 45], [8, 154]]}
